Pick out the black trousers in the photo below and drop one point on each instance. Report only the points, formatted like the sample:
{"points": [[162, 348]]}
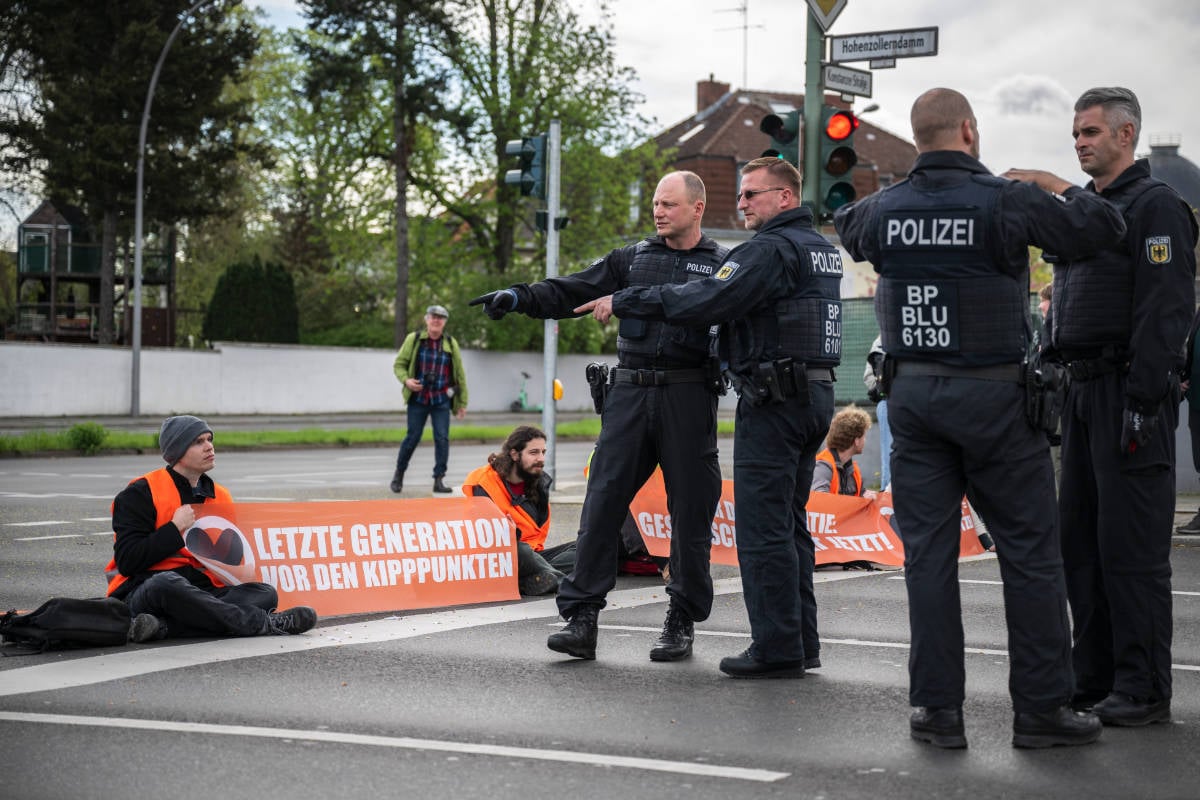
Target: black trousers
{"points": [[642, 427], [189, 610], [1117, 513], [774, 448], [956, 435]]}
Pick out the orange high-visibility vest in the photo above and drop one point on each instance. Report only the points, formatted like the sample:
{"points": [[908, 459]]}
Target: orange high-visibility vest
{"points": [[496, 487], [835, 481], [166, 501]]}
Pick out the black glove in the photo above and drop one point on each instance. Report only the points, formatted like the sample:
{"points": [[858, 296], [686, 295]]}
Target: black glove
{"points": [[497, 304], [1136, 430]]}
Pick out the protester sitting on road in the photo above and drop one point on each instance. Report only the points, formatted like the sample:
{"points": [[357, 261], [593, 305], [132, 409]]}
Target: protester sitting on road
{"points": [[515, 481], [835, 471], [169, 591]]}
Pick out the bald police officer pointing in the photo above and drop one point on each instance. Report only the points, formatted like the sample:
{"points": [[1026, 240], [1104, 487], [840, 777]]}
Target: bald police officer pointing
{"points": [[779, 297], [950, 246]]}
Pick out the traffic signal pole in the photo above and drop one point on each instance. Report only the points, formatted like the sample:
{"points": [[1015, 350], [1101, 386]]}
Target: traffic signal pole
{"points": [[814, 99], [550, 350]]}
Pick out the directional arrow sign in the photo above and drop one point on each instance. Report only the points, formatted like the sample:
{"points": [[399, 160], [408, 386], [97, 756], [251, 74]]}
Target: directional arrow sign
{"points": [[826, 11], [884, 44], [847, 81]]}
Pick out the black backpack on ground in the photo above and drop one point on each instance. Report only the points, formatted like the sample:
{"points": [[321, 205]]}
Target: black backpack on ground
{"points": [[66, 622]]}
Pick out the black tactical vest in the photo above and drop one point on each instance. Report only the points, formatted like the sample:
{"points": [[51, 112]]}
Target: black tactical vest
{"points": [[942, 294], [807, 324], [1093, 298], [641, 343]]}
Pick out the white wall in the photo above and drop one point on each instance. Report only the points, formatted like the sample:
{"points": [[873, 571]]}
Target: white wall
{"points": [[52, 380]]}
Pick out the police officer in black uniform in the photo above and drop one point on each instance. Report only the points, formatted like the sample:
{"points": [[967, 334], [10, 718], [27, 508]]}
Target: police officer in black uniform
{"points": [[779, 295], [661, 409], [1119, 321], [950, 244]]}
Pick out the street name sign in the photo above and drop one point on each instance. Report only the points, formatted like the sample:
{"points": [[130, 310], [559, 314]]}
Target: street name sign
{"points": [[884, 44], [847, 80]]}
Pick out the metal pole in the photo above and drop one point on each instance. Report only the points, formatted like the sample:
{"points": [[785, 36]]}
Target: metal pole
{"points": [[135, 389], [814, 101], [550, 349]]}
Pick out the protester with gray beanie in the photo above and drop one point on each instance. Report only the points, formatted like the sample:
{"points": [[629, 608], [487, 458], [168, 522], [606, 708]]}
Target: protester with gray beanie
{"points": [[169, 591], [177, 434]]}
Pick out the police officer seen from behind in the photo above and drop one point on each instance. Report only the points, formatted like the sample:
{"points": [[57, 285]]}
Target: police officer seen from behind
{"points": [[1119, 320], [950, 245], [661, 409], [779, 295]]}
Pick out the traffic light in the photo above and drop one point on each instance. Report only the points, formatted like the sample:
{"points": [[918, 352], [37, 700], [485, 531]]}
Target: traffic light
{"points": [[531, 177], [836, 188], [785, 136]]}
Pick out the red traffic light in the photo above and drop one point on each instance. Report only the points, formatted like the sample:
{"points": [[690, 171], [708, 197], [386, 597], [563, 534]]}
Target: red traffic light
{"points": [[841, 125]]}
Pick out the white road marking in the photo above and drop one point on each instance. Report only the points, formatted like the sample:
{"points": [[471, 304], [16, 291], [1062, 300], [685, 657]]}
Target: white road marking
{"points": [[1001, 583], [96, 519], [61, 536], [692, 768], [142, 661], [38, 524]]}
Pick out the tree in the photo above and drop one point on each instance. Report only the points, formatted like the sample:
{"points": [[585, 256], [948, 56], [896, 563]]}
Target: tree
{"points": [[90, 65], [522, 63], [386, 40], [253, 302]]}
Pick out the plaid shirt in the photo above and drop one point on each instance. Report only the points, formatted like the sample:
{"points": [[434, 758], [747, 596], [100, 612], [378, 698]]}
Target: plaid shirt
{"points": [[433, 370]]}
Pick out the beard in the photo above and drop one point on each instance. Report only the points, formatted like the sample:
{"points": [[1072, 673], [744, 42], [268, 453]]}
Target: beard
{"points": [[529, 475]]}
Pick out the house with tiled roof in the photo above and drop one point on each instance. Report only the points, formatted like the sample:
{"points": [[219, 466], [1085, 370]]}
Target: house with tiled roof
{"points": [[724, 134]]}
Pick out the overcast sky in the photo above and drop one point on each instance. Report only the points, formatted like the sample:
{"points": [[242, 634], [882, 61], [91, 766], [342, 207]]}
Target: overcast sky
{"points": [[1021, 63]]}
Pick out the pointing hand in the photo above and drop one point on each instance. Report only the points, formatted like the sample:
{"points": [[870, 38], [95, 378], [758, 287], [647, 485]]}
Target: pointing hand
{"points": [[497, 304]]}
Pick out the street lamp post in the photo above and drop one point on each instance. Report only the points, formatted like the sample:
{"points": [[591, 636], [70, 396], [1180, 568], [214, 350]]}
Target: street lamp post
{"points": [[136, 371]]}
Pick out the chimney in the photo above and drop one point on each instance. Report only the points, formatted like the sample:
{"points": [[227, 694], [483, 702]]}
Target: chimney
{"points": [[709, 92]]}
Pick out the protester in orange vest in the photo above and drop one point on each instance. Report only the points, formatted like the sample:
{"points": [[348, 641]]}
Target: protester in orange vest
{"points": [[515, 481], [835, 470], [169, 590]]}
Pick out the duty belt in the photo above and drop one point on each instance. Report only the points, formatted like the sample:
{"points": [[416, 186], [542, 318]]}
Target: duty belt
{"points": [[820, 374], [1011, 373], [1085, 369], [657, 377]]}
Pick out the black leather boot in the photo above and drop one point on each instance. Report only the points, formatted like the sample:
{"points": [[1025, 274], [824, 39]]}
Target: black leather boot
{"points": [[440, 487], [579, 637], [675, 641], [941, 727], [397, 481]]}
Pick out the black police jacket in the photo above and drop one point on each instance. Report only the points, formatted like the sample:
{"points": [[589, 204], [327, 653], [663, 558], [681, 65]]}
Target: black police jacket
{"points": [[650, 262], [1136, 298], [777, 295], [952, 230]]}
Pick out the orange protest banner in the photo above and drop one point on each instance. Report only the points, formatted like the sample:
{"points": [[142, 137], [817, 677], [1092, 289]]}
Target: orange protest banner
{"points": [[367, 555], [843, 528]]}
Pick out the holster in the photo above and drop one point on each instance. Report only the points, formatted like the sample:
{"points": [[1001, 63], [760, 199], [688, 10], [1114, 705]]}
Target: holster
{"points": [[774, 382], [887, 373], [1046, 384], [598, 382], [714, 377]]}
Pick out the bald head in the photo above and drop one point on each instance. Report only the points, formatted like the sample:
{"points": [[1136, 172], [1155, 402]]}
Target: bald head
{"points": [[942, 119], [678, 208]]}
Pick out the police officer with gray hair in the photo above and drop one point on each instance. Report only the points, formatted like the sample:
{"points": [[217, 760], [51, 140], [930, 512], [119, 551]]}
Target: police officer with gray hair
{"points": [[950, 245], [1119, 320], [660, 409], [778, 296]]}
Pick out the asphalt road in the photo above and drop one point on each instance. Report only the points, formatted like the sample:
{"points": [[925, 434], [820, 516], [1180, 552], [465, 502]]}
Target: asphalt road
{"points": [[468, 702]]}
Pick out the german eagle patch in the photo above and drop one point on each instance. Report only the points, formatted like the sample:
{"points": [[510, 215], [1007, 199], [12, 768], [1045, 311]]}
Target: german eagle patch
{"points": [[1158, 249], [726, 271]]}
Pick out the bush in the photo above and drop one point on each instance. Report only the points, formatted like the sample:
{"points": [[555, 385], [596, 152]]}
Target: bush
{"points": [[87, 437], [253, 302]]}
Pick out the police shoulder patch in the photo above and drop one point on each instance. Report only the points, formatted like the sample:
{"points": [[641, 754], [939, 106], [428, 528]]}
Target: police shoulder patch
{"points": [[1158, 249], [727, 270]]}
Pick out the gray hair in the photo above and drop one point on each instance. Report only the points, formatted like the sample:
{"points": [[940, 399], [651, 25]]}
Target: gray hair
{"points": [[1120, 106]]}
